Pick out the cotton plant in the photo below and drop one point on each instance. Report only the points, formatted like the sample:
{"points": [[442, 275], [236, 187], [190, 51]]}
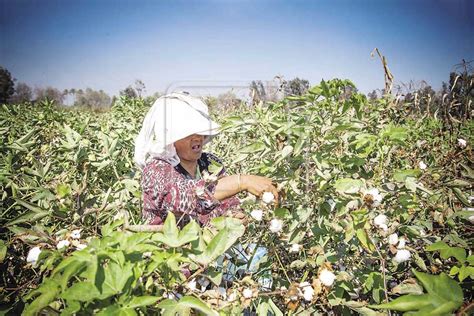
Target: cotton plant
{"points": [[462, 143], [381, 221], [268, 197], [327, 277], [372, 197], [33, 255], [422, 165], [257, 215], [276, 225]]}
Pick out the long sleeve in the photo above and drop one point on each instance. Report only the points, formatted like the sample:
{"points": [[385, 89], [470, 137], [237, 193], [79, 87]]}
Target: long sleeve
{"points": [[165, 189]]}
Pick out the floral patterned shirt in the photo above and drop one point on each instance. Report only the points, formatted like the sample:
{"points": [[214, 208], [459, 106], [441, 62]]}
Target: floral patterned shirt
{"points": [[172, 189]]}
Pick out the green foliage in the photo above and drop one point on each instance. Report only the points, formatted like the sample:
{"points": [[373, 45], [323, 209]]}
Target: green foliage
{"points": [[443, 296], [131, 270], [340, 161]]}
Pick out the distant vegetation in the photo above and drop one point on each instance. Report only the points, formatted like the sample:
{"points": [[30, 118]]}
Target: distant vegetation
{"points": [[375, 215]]}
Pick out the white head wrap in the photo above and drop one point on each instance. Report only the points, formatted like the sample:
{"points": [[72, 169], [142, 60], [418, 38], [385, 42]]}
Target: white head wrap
{"points": [[172, 117]]}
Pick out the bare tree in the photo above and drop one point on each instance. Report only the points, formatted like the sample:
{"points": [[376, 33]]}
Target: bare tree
{"points": [[49, 93], [23, 93]]}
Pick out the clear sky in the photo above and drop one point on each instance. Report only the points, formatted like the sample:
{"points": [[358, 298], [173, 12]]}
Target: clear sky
{"points": [[107, 44]]}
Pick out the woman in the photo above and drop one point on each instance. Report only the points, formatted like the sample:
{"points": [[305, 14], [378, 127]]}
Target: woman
{"points": [[175, 171]]}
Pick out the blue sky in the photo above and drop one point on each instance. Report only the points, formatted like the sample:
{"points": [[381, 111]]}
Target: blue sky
{"points": [[108, 44]]}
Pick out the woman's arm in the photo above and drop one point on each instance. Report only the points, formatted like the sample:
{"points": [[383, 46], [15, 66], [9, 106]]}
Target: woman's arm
{"points": [[231, 185]]}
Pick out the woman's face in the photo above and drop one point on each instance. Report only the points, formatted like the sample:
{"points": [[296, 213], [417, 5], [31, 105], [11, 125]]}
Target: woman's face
{"points": [[190, 148]]}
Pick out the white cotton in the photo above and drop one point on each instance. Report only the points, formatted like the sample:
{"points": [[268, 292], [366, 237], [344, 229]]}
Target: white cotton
{"points": [[62, 244], [257, 215], [231, 297], [327, 277], [33, 255], [422, 165], [380, 220], [276, 225], [76, 234], [462, 143], [192, 285], [81, 246], [247, 293], [471, 219], [401, 243], [402, 256], [383, 227], [376, 196], [295, 248], [308, 291], [393, 239], [268, 197], [146, 255]]}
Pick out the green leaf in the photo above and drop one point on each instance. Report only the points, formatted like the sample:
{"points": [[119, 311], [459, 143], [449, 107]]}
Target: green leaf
{"points": [[348, 186], [48, 291], [402, 175], [406, 303], [140, 301], [230, 230], [63, 190], [461, 197], [172, 237], [196, 304], [114, 278], [364, 240], [252, 148], [395, 133], [184, 305], [465, 272], [82, 292], [444, 295], [447, 251], [3, 250]]}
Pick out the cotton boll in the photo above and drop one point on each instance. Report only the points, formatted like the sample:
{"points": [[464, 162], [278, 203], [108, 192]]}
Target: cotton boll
{"points": [[192, 285], [402, 256], [257, 215], [380, 220], [276, 225], [327, 277], [402, 243], [373, 197], [268, 197], [462, 143], [247, 293], [393, 239], [62, 244], [81, 246], [33, 255], [422, 165], [308, 291], [295, 248]]}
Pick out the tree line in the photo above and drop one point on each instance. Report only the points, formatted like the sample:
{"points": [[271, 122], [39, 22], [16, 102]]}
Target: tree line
{"points": [[454, 99]]}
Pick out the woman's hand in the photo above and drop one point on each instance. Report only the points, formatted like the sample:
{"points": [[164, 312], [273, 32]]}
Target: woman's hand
{"points": [[258, 185]]}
